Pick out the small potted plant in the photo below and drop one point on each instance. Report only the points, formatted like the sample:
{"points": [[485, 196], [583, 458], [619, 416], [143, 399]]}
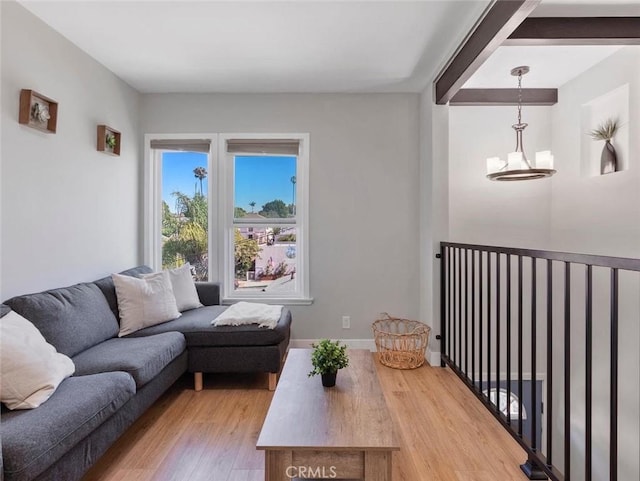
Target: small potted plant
{"points": [[327, 357], [608, 159]]}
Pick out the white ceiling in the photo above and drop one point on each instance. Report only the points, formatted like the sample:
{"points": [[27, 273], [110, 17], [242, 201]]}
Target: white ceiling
{"points": [[550, 67], [306, 46], [266, 46]]}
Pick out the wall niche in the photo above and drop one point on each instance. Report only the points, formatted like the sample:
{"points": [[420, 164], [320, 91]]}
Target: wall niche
{"points": [[611, 105]]}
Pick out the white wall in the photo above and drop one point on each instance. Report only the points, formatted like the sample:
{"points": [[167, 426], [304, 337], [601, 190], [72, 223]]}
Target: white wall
{"points": [[434, 211], [68, 212], [573, 211], [600, 214], [364, 198], [506, 214], [597, 214], [497, 213]]}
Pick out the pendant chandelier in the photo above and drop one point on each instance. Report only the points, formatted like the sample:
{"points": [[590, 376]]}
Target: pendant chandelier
{"points": [[517, 166]]}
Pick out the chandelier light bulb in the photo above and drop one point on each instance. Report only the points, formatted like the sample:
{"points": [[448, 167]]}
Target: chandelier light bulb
{"points": [[544, 160], [495, 164]]}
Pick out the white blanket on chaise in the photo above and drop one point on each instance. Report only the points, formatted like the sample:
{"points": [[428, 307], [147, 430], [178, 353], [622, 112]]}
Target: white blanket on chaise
{"points": [[264, 315]]}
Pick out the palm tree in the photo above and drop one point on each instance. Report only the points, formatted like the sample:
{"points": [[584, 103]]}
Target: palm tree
{"points": [[293, 195], [200, 173], [252, 204], [188, 242]]}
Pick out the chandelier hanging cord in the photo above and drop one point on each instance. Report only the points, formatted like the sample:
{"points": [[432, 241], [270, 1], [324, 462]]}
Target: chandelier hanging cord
{"points": [[519, 96], [519, 127]]}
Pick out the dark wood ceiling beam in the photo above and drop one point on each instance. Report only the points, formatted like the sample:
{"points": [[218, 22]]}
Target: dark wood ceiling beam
{"points": [[487, 97], [576, 31], [499, 22]]}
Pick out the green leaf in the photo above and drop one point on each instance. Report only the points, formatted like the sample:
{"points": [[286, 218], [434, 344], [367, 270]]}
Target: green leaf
{"points": [[328, 356]]}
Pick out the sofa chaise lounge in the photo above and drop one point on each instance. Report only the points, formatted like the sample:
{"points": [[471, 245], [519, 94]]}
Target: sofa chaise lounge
{"points": [[117, 378]]}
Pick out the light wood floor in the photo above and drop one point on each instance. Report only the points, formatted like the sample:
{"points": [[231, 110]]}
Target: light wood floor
{"points": [[444, 433]]}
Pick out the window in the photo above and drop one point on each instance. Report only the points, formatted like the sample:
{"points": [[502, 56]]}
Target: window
{"points": [[236, 213], [178, 183], [264, 215]]}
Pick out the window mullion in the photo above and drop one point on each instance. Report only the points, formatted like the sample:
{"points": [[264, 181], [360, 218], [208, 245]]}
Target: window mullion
{"points": [[266, 221]]}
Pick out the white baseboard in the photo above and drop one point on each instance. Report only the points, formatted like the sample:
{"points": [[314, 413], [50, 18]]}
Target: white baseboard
{"points": [[351, 343], [433, 357]]}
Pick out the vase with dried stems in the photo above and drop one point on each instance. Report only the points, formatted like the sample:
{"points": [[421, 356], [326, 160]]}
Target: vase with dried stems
{"points": [[608, 158]]}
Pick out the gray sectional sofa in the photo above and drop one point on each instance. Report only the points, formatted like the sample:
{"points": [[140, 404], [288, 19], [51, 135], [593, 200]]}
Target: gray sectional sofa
{"points": [[117, 379]]}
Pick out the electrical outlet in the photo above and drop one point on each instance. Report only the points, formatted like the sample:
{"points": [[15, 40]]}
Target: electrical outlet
{"points": [[346, 322]]}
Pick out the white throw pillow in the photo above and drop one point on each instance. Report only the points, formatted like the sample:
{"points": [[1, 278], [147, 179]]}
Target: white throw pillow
{"points": [[144, 302], [184, 288], [30, 368]]}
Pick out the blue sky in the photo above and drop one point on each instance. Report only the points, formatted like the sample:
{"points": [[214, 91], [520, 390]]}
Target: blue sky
{"points": [[258, 178], [177, 174], [262, 179]]}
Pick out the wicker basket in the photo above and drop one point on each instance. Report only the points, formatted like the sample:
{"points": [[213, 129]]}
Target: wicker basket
{"points": [[401, 343]]}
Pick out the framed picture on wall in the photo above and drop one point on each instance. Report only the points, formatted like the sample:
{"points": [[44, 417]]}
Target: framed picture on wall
{"points": [[37, 111], [108, 140]]}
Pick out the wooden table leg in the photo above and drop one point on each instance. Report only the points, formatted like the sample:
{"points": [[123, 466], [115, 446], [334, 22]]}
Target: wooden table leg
{"points": [[377, 465], [273, 380], [276, 464]]}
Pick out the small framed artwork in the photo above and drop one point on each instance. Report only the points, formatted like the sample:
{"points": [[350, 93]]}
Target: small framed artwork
{"points": [[108, 140], [38, 111]]}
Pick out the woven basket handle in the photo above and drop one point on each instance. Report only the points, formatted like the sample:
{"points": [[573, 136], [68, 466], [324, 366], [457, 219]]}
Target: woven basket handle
{"points": [[415, 329]]}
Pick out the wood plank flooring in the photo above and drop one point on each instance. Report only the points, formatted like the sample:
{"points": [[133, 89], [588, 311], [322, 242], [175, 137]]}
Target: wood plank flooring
{"points": [[444, 432]]}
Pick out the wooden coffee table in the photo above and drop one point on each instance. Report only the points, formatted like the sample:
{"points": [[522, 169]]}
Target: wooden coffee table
{"points": [[313, 432]]}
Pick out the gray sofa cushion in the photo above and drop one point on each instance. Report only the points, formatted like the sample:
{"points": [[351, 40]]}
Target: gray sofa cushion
{"points": [[197, 329], [71, 318], [142, 358], [109, 290], [208, 292], [34, 439]]}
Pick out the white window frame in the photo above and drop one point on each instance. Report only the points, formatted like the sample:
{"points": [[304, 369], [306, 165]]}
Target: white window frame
{"points": [[226, 215], [221, 207], [153, 200]]}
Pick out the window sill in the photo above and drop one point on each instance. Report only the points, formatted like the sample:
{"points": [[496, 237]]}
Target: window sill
{"points": [[287, 301]]}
